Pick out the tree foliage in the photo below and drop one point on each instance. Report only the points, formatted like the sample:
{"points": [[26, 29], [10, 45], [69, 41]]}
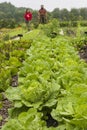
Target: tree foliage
{"points": [[13, 16]]}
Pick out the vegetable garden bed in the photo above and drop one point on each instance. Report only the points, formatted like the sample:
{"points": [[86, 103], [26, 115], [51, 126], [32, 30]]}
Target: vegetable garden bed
{"points": [[52, 88]]}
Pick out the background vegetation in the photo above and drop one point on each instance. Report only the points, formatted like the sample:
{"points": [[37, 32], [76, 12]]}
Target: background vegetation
{"points": [[11, 16]]}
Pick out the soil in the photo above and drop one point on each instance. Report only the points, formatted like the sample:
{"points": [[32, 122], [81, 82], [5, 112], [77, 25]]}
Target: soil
{"points": [[14, 80], [4, 110], [83, 53], [7, 104], [51, 122]]}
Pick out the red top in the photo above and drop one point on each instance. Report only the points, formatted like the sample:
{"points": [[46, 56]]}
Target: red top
{"points": [[42, 11], [28, 16]]}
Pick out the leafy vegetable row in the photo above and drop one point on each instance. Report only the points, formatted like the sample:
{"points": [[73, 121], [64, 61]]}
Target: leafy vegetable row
{"points": [[52, 82]]}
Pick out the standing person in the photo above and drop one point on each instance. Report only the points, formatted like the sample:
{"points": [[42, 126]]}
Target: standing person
{"points": [[28, 18], [42, 15]]}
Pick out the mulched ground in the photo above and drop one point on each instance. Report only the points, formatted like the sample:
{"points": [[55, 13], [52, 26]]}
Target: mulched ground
{"points": [[7, 104], [83, 52], [4, 110]]}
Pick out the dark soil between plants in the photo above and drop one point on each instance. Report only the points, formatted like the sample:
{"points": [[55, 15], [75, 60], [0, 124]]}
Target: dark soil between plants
{"points": [[7, 104], [83, 52], [4, 110]]}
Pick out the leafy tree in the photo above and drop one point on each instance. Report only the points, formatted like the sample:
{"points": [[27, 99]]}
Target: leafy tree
{"points": [[56, 13], [83, 13], [74, 14], [64, 14]]}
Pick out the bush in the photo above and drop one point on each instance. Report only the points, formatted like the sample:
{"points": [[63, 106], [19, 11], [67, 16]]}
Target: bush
{"points": [[64, 24], [6, 37], [51, 27]]}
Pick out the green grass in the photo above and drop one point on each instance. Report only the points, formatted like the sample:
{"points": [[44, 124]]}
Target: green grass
{"points": [[31, 35], [16, 31], [36, 33], [26, 35]]}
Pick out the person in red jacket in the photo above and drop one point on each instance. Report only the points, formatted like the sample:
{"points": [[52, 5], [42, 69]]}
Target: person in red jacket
{"points": [[28, 18]]}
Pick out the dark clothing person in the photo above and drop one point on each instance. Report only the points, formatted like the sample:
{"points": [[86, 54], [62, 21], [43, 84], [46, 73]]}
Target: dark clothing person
{"points": [[28, 18], [42, 15]]}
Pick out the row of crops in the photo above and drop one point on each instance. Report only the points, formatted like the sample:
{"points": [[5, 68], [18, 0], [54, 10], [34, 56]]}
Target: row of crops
{"points": [[12, 54], [52, 84]]}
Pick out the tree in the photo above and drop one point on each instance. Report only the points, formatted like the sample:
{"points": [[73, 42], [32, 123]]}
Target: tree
{"points": [[64, 14], [74, 14], [56, 13], [83, 13]]}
